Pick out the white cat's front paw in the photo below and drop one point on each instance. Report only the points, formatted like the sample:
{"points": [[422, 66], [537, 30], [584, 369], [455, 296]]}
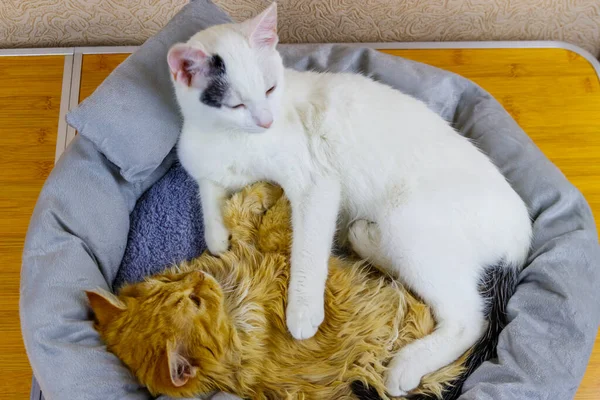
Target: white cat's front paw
{"points": [[304, 318], [402, 376], [217, 239]]}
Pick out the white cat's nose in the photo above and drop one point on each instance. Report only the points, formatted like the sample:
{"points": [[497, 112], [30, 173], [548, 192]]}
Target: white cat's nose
{"points": [[265, 124], [263, 118]]}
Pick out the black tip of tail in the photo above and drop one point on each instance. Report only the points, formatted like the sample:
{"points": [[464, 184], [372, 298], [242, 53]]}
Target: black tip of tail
{"points": [[497, 285], [364, 392]]}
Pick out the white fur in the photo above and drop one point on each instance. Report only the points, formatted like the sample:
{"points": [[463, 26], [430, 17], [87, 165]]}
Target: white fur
{"points": [[342, 145], [224, 396]]}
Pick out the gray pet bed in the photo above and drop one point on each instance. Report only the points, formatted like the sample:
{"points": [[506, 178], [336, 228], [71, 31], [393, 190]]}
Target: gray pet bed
{"points": [[128, 128]]}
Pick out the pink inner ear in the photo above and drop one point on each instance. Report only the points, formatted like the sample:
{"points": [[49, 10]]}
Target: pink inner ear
{"points": [[186, 62], [180, 369], [265, 28]]}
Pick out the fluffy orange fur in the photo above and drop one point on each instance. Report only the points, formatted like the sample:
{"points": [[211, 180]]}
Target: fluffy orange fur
{"points": [[219, 323]]}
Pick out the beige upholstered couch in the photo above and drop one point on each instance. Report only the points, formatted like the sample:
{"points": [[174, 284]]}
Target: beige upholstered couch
{"points": [[43, 23]]}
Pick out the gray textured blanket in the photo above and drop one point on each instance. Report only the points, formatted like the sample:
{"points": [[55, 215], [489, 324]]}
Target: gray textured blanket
{"points": [[79, 230], [165, 229]]}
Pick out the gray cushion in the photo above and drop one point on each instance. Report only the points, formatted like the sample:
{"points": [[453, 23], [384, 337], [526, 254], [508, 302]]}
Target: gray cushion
{"points": [[135, 102], [79, 228]]}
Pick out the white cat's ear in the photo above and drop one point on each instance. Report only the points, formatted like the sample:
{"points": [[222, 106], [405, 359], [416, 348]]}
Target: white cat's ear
{"points": [[187, 63], [180, 369], [262, 29], [105, 305]]}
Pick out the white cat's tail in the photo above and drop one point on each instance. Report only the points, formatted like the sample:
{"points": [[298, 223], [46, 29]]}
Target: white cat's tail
{"points": [[497, 285]]}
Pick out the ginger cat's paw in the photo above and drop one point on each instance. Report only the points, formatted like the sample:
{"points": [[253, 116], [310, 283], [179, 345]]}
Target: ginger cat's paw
{"points": [[244, 213], [262, 196]]}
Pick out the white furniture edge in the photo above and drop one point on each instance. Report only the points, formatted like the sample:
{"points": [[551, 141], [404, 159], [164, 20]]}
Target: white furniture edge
{"points": [[61, 138], [73, 95], [74, 57]]}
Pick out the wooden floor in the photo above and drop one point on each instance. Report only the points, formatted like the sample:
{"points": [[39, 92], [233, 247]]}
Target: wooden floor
{"points": [[30, 90], [554, 94]]}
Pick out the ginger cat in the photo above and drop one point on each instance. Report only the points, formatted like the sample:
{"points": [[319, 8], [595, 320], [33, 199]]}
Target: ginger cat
{"points": [[218, 324]]}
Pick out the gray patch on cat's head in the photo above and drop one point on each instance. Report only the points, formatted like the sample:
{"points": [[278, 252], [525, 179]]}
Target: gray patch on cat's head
{"points": [[217, 86]]}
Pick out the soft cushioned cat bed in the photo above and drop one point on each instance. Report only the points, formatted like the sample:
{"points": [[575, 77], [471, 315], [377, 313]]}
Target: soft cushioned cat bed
{"points": [[80, 227]]}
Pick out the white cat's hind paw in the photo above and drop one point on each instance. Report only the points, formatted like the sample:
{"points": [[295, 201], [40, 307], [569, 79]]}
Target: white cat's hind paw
{"points": [[217, 239], [365, 239], [303, 320], [402, 376], [360, 239]]}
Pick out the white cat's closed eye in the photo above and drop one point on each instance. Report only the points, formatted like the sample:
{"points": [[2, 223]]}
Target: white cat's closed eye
{"points": [[241, 105]]}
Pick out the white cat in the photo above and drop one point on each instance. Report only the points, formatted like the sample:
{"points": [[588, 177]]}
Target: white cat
{"points": [[342, 145]]}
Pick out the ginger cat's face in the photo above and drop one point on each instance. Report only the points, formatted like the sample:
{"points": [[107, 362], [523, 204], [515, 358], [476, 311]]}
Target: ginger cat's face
{"points": [[166, 329]]}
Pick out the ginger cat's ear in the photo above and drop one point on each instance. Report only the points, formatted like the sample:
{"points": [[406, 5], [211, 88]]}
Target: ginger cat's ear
{"points": [[262, 29], [105, 305], [180, 369]]}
